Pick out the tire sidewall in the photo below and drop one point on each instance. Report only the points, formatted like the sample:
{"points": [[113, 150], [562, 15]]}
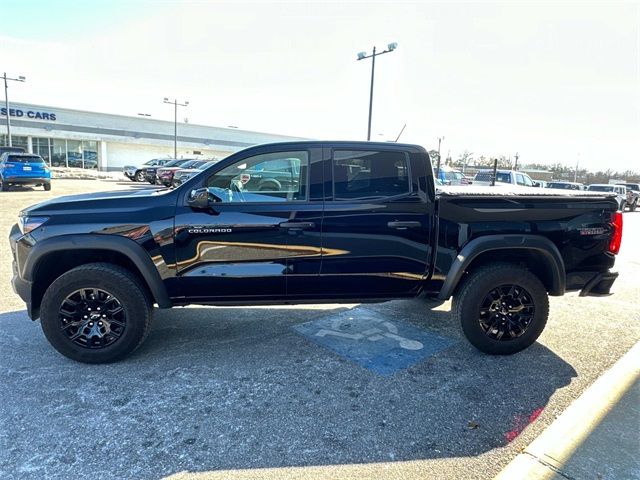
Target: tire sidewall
{"points": [[470, 310], [132, 301]]}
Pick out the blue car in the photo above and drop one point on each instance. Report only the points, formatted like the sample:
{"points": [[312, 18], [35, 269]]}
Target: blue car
{"points": [[23, 169]]}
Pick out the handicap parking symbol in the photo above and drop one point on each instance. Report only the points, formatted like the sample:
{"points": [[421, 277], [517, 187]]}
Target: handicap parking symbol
{"points": [[372, 340]]}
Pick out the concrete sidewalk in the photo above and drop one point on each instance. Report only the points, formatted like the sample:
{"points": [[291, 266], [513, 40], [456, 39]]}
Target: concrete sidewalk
{"points": [[597, 437]]}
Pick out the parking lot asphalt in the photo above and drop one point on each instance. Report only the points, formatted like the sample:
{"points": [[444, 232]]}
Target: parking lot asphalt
{"points": [[229, 391]]}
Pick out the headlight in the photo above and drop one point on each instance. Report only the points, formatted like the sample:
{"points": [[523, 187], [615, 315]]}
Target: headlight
{"points": [[28, 224]]}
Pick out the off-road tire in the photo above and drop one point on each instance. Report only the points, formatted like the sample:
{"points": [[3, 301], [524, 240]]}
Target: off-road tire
{"points": [[47, 187], [468, 299], [116, 280]]}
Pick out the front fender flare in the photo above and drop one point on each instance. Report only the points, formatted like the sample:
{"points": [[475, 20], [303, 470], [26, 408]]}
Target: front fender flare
{"points": [[126, 246]]}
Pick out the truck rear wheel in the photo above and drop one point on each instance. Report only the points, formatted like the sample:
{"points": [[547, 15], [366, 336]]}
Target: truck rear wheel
{"points": [[96, 313], [502, 308]]}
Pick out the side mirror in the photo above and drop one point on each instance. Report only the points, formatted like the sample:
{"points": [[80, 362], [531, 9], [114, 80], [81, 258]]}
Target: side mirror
{"points": [[199, 198]]}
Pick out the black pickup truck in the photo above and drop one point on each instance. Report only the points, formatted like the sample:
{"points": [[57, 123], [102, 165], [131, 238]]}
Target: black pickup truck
{"points": [[344, 222]]}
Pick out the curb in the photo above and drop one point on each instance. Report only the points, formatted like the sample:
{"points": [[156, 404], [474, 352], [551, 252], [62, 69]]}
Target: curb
{"points": [[546, 456]]}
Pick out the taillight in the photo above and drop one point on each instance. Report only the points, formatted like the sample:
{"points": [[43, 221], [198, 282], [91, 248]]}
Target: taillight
{"points": [[616, 238]]}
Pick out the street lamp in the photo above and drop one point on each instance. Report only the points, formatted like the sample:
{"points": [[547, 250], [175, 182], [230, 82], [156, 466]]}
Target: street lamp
{"points": [[440, 139], [175, 123], [361, 56], [6, 102]]}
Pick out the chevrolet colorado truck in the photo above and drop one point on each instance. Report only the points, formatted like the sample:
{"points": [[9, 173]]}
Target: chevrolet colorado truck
{"points": [[344, 222]]}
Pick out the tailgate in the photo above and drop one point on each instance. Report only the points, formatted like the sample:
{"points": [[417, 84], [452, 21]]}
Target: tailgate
{"points": [[25, 166]]}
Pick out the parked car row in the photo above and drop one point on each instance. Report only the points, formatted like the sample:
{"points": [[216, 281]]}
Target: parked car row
{"points": [[162, 171]]}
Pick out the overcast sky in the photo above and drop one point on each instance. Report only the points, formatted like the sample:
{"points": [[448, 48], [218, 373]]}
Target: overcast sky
{"points": [[552, 81]]}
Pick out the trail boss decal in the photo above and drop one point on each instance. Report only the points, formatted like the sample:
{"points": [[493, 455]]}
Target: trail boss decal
{"points": [[592, 231]]}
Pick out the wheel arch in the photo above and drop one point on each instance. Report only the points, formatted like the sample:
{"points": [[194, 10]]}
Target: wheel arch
{"points": [[539, 254], [270, 181], [52, 257]]}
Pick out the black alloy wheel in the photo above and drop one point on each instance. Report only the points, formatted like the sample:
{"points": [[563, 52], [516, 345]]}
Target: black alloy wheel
{"points": [[502, 308], [96, 313], [92, 318], [506, 312]]}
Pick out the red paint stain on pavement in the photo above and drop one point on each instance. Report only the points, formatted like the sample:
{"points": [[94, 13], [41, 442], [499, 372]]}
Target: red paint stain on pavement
{"points": [[520, 422]]}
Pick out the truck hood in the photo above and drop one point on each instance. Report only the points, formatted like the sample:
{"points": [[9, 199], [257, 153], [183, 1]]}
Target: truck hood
{"points": [[100, 201]]}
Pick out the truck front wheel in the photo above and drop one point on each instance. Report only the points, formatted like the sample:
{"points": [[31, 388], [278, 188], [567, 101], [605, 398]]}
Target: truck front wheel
{"points": [[502, 308], [95, 313]]}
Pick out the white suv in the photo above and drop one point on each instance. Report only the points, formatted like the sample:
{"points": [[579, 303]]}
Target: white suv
{"points": [[619, 190], [509, 177]]}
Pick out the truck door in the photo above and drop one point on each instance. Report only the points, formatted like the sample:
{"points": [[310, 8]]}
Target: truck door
{"points": [[262, 226], [377, 223]]}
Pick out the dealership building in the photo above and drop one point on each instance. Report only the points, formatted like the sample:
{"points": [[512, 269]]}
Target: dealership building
{"points": [[75, 138]]}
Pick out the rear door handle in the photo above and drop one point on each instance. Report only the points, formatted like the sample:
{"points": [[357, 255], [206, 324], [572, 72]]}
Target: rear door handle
{"points": [[404, 224], [298, 225]]}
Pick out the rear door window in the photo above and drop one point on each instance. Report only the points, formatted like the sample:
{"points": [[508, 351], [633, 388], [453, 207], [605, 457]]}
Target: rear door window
{"points": [[24, 159], [369, 174], [503, 177]]}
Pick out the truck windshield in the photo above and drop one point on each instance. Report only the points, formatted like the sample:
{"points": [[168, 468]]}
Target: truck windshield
{"points": [[565, 186], [600, 188]]}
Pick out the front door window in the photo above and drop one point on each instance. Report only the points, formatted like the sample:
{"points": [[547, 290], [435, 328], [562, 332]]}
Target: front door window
{"points": [[270, 177]]}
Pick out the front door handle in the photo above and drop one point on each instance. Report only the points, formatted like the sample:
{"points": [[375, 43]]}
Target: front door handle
{"points": [[298, 225], [404, 225]]}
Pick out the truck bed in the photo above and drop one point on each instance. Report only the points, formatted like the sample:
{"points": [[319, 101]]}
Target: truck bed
{"points": [[511, 190]]}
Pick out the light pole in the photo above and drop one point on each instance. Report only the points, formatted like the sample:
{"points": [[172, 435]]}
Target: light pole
{"points": [[175, 123], [6, 102], [361, 56], [438, 166], [515, 166]]}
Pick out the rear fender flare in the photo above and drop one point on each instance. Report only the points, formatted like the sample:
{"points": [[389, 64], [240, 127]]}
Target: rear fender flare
{"points": [[541, 245]]}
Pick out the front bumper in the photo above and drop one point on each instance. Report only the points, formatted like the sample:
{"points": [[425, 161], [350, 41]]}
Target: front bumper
{"points": [[20, 286], [599, 285]]}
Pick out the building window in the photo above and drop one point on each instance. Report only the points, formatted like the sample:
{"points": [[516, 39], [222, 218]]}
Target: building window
{"points": [[90, 153], [41, 147], [74, 153], [16, 141], [58, 152]]}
